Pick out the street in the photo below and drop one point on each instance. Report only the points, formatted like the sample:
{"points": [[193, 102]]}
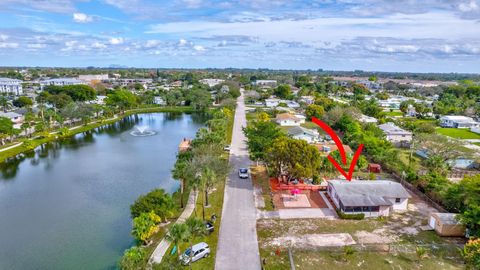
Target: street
{"points": [[237, 244]]}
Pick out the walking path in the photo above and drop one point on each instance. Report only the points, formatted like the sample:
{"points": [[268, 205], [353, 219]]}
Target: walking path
{"points": [[11, 146], [162, 248], [237, 242]]}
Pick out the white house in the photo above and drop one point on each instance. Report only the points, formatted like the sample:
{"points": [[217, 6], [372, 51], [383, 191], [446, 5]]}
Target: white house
{"points": [[159, 101], [372, 198], [93, 77], [212, 82], [267, 83], [458, 121], [8, 85], [272, 102], [60, 82], [396, 135], [367, 119], [286, 119], [301, 133], [291, 104], [307, 99]]}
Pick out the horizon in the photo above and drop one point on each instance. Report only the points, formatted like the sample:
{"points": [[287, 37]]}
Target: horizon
{"points": [[432, 36]]}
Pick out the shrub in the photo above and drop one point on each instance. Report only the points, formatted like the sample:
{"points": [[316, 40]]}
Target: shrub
{"points": [[471, 253], [342, 215], [131, 258], [157, 201]]}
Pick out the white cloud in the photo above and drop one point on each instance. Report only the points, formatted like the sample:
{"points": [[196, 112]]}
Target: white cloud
{"points": [[3, 37], [99, 45], [82, 18], [36, 46], [199, 48], [8, 45], [116, 41], [182, 42], [468, 7]]}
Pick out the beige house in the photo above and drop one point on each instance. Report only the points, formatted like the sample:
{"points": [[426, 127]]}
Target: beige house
{"points": [[286, 119]]}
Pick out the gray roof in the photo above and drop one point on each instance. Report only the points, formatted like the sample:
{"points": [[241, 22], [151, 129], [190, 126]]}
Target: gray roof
{"points": [[10, 114], [447, 218], [293, 131], [391, 128], [368, 193]]}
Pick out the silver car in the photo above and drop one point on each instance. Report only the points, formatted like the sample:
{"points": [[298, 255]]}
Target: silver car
{"points": [[243, 173], [198, 251]]}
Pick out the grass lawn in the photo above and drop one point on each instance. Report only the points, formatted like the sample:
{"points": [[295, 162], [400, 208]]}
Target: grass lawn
{"points": [[311, 125], [458, 133], [261, 179], [477, 143], [394, 113]]}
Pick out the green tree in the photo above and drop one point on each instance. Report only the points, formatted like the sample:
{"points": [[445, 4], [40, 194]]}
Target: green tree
{"points": [[260, 137], [145, 225], [132, 258], [314, 111], [283, 91], [157, 200], [23, 102], [177, 234], [122, 99], [196, 228]]}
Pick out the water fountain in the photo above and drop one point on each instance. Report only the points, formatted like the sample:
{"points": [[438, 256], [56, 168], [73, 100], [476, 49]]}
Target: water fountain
{"points": [[142, 131]]}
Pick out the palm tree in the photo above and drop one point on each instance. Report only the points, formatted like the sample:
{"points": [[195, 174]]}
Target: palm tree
{"points": [[196, 228], [5, 104], [178, 233], [180, 171]]}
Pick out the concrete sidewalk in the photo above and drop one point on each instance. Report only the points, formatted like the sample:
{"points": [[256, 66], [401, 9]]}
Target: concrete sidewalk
{"points": [[162, 248]]}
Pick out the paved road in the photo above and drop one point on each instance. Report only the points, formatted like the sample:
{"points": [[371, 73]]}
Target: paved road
{"points": [[237, 244]]}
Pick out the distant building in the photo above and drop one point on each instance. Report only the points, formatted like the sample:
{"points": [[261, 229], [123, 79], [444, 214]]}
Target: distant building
{"points": [[212, 82], [8, 85], [458, 121], [291, 104], [396, 135], [372, 198], [301, 133], [60, 82], [372, 86], [93, 77], [159, 101], [267, 83], [326, 148], [225, 89], [286, 119]]}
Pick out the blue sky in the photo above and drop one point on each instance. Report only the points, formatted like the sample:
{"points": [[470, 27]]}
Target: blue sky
{"points": [[383, 35]]}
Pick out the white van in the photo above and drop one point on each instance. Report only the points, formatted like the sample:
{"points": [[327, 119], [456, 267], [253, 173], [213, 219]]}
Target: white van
{"points": [[198, 251]]}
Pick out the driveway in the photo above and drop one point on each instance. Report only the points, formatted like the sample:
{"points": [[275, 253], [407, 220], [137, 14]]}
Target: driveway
{"points": [[237, 243]]}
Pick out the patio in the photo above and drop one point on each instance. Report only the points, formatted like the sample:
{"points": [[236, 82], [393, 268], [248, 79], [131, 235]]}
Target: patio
{"points": [[283, 199]]}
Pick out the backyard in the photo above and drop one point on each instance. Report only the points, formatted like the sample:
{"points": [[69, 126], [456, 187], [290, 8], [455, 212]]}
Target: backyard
{"points": [[458, 133]]}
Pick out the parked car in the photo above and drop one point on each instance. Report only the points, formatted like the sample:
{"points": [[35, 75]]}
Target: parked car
{"points": [[195, 253], [243, 173], [226, 148], [209, 227]]}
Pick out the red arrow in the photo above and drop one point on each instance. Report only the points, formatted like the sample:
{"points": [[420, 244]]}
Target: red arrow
{"points": [[339, 144]]}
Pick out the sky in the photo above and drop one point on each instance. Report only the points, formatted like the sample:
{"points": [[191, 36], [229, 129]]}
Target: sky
{"points": [[375, 35]]}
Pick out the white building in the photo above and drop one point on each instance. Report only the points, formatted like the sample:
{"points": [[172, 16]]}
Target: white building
{"points": [[458, 121], [272, 102], [367, 119], [307, 99], [396, 135], [212, 82], [60, 82], [267, 83], [93, 77], [159, 101], [286, 119], [301, 133], [8, 85], [372, 198]]}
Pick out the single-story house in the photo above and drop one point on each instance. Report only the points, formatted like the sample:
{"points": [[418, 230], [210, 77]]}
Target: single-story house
{"points": [[307, 99], [396, 135], [372, 198], [286, 119], [301, 133], [446, 224], [367, 119], [267, 83], [272, 102], [290, 104], [458, 121], [327, 148]]}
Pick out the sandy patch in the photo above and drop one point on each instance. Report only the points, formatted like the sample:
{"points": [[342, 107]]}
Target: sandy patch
{"points": [[378, 236], [296, 201], [314, 240]]}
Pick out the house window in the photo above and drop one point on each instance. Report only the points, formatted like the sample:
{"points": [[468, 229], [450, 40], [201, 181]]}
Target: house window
{"points": [[357, 209], [397, 200], [375, 208]]}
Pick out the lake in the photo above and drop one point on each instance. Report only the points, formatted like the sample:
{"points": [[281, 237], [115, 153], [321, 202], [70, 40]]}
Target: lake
{"points": [[66, 205]]}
